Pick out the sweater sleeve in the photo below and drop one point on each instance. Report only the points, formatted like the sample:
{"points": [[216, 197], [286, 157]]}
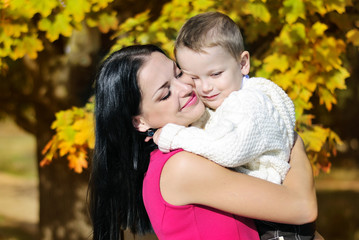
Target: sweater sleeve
{"points": [[240, 130]]}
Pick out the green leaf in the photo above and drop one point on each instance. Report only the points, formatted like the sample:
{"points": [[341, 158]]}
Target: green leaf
{"points": [[77, 9], [107, 22], [44, 7], [294, 9], [61, 25], [259, 11]]}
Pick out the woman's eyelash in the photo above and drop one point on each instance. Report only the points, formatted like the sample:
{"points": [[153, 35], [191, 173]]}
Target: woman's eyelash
{"points": [[179, 75], [167, 96]]}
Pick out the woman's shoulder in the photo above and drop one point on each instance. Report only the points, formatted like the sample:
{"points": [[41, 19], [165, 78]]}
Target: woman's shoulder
{"points": [[181, 176]]}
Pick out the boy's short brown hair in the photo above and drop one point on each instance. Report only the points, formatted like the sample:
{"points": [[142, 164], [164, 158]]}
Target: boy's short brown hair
{"points": [[209, 30]]}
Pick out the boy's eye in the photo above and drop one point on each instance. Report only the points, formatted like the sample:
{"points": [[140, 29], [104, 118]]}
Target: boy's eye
{"points": [[216, 74]]}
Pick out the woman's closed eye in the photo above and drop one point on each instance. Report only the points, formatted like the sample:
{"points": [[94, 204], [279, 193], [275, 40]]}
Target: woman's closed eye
{"points": [[166, 96], [179, 74]]}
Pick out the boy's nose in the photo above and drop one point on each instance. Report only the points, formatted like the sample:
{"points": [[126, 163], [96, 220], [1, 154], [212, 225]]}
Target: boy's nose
{"points": [[206, 86]]}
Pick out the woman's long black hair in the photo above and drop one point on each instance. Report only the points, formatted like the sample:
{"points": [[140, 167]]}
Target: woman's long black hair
{"points": [[121, 156]]}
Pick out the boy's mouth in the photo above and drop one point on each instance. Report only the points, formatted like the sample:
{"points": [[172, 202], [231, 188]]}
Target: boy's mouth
{"points": [[211, 98]]}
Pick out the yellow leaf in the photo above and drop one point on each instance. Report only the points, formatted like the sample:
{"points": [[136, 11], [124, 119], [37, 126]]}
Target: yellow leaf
{"points": [[297, 32], [353, 37], [294, 9], [315, 139], [260, 11], [29, 45], [326, 98], [78, 161], [107, 22], [316, 6], [15, 30], [66, 147], [77, 9], [61, 25], [44, 7], [317, 31], [336, 5], [67, 134], [276, 61], [327, 53], [100, 4], [84, 130], [336, 80]]}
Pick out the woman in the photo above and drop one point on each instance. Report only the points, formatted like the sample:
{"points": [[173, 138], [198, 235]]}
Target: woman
{"points": [[139, 89]]}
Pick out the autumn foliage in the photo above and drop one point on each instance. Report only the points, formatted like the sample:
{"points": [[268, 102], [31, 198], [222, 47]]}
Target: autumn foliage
{"points": [[299, 44]]}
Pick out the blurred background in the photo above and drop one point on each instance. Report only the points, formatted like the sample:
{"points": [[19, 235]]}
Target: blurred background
{"points": [[50, 51]]}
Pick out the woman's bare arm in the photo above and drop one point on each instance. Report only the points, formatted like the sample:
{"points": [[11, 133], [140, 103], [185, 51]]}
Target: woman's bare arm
{"points": [[190, 179]]}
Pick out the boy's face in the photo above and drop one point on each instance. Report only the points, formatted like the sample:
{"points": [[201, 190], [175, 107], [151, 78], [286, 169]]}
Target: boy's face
{"points": [[215, 72]]}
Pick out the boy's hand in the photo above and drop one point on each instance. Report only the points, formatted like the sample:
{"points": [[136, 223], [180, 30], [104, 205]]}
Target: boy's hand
{"points": [[156, 136]]}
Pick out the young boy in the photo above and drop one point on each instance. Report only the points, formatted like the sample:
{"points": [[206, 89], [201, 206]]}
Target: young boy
{"points": [[249, 123]]}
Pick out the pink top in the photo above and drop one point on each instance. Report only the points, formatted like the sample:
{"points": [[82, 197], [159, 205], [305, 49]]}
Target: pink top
{"points": [[190, 221]]}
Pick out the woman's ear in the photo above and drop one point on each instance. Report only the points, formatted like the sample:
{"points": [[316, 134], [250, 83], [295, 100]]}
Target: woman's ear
{"points": [[140, 124], [245, 63]]}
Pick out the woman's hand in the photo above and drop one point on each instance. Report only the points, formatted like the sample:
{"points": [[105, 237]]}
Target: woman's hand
{"points": [[156, 136]]}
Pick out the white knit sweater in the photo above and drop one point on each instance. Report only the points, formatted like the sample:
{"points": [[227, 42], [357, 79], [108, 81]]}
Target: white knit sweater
{"points": [[252, 131]]}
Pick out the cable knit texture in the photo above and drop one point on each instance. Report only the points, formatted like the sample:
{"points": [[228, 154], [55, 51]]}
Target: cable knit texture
{"points": [[252, 131]]}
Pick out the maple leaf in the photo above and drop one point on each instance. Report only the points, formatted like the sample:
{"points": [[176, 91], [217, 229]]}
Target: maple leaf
{"points": [[353, 37], [294, 9], [276, 61], [61, 25], [78, 161], [77, 9], [107, 22], [335, 5], [84, 131], [260, 11], [29, 45], [44, 7], [317, 30]]}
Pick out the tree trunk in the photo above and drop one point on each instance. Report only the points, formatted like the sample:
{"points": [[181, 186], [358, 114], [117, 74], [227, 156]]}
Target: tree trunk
{"points": [[62, 197]]}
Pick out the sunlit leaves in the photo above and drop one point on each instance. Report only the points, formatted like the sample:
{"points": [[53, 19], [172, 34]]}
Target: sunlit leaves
{"points": [[19, 33], [74, 137], [320, 146], [293, 9], [105, 22], [260, 11], [353, 37], [304, 56], [53, 29]]}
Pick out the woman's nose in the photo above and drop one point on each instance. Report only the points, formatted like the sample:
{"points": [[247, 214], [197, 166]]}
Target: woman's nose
{"points": [[186, 79], [184, 87]]}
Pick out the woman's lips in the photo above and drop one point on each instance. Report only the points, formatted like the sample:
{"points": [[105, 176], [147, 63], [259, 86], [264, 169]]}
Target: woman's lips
{"points": [[191, 101]]}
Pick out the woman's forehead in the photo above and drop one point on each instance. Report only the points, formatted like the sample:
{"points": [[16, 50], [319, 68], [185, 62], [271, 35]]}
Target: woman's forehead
{"points": [[156, 71]]}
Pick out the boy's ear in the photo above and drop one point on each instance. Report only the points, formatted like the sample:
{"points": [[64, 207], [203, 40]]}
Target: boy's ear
{"points": [[245, 63], [140, 124]]}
